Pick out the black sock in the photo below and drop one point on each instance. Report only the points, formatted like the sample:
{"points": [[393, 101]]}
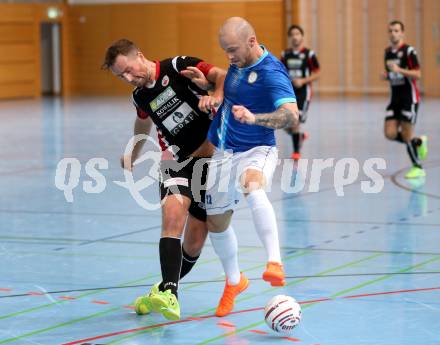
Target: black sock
{"points": [[170, 252], [412, 152], [187, 263], [416, 141], [296, 141], [399, 138]]}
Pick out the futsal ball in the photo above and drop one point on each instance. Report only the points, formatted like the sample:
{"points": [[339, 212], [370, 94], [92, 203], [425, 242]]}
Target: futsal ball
{"points": [[282, 313]]}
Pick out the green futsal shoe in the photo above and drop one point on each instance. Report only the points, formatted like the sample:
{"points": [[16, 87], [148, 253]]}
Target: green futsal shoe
{"points": [[142, 305], [422, 149], [166, 303], [415, 172]]}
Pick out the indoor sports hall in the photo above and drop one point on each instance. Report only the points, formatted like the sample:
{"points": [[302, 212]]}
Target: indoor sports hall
{"points": [[359, 235]]}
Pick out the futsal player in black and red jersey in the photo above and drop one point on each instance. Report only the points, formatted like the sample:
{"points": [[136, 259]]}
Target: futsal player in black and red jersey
{"points": [[303, 67], [165, 94], [402, 71]]}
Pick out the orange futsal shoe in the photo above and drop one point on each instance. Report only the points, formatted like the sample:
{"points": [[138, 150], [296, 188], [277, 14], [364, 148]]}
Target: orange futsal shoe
{"points": [[274, 274], [295, 156], [226, 303]]}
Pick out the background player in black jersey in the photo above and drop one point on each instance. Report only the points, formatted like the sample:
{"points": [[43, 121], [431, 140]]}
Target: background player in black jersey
{"points": [[166, 95], [303, 67], [402, 70]]}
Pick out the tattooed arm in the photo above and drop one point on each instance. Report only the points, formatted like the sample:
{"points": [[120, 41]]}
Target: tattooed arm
{"points": [[286, 115]]}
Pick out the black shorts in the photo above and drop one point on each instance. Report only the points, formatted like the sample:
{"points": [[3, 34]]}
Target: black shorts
{"points": [[303, 106], [187, 178], [402, 111]]}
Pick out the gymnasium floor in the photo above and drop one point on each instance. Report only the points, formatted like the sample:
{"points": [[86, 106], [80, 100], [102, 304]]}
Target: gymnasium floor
{"points": [[366, 267]]}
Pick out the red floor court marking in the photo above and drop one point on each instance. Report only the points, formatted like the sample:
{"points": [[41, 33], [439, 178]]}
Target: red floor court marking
{"points": [[35, 293], [390, 292], [68, 298], [316, 301], [257, 331], [134, 330], [226, 324], [129, 307], [5, 289], [291, 339], [195, 318], [100, 302]]}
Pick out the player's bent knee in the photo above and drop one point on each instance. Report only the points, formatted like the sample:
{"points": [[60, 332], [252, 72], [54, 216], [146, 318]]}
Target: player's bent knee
{"points": [[390, 135], [252, 180]]}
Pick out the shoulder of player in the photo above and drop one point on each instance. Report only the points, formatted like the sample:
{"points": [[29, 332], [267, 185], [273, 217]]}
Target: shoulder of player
{"points": [[270, 66], [409, 49], [309, 52], [168, 63], [171, 63], [272, 60], [176, 61]]}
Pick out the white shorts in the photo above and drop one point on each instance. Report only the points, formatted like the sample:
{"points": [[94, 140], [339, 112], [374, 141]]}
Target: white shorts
{"points": [[224, 172]]}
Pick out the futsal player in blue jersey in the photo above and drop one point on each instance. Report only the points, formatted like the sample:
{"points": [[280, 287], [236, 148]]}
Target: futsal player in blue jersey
{"points": [[258, 98]]}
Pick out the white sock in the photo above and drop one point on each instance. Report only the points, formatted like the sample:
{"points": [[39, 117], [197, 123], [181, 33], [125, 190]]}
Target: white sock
{"points": [[226, 246], [265, 223]]}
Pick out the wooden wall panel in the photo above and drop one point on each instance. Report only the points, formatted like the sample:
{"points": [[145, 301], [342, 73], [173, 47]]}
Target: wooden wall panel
{"points": [[349, 37], [352, 61], [17, 52], [153, 26], [160, 31], [20, 71], [295, 12], [220, 12], [16, 32], [354, 47], [405, 10], [431, 48], [269, 24], [377, 41], [196, 31], [17, 39], [17, 72], [16, 90], [329, 43], [17, 13], [89, 33]]}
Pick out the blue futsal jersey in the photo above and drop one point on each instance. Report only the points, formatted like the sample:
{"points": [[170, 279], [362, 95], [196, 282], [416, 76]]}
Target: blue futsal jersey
{"points": [[261, 88]]}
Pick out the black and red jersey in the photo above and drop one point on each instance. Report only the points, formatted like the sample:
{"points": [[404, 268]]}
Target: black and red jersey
{"points": [[402, 88], [172, 104], [300, 64]]}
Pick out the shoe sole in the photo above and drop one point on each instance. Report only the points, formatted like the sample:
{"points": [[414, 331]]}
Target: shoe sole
{"points": [[414, 177], [169, 314], [161, 306], [274, 280], [239, 292]]}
